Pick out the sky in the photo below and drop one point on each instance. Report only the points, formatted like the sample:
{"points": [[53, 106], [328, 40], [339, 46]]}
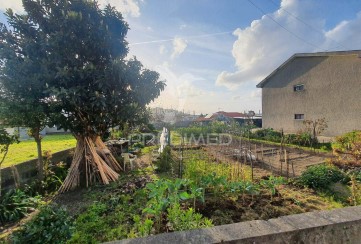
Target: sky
{"points": [[213, 53]]}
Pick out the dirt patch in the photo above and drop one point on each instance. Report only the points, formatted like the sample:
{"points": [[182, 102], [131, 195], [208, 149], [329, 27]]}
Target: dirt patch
{"points": [[75, 202], [266, 159], [288, 200]]}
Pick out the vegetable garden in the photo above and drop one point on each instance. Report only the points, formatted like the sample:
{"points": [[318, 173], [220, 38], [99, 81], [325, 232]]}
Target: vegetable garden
{"points": [[201, 190]]}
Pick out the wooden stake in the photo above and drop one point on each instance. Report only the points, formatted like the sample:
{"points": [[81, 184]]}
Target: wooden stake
{"points": [[287, 165]]}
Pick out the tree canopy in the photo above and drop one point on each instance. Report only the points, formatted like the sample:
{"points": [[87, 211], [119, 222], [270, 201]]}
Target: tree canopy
{"points": [[74, 56]]}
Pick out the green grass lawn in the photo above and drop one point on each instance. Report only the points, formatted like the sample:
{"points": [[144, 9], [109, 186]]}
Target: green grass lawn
{"points": [[26, 150]]}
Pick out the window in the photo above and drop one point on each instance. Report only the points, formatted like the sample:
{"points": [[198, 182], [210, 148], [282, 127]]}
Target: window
{"points": [[298, 88], [299, 116]]}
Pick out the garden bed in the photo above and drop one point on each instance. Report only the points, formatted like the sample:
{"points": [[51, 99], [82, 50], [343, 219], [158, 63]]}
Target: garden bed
{"points": [[210, 189]]}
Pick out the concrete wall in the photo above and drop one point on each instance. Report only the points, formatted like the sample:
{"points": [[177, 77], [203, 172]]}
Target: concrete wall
{"points": [[54, 129], [323, 227], [332, 90], [27, 171]]}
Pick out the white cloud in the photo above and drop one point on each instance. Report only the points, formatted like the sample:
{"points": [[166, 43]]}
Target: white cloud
{"points": [[179, 45], [162, 49], [183, 91], [183, 26], [256, 93], [15, 5], [264, 45], [346, 33], [126, 7], [186, 89]]}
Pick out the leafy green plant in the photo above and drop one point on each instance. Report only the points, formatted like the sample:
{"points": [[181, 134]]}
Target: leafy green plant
{"points": [[186, 219], [54, 174], [111, 218], [196, 192], [347, 148], [16, 204], [141, 228], [160, 194], [321, 176], [243, 187], [267, 134], [51, 225], [213, 182], [5, 141], [272, 183]]}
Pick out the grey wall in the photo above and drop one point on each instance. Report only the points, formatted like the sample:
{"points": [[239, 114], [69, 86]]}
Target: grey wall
{"points": [[332, 90], [27, 171], [323, 227]]}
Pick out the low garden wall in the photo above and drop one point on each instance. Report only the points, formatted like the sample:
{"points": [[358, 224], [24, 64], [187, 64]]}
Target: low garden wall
{"points": [[333, 226], [25, 172]]}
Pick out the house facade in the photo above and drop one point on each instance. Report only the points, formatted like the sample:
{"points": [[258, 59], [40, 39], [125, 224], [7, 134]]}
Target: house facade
{"points": [[310, 86]]}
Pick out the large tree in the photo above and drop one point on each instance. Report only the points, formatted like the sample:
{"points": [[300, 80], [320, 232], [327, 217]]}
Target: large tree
{"points": [[23, 75], [93, 86]]}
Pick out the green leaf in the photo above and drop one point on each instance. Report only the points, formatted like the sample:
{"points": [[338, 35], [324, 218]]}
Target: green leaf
{"points": [[184, 196]]}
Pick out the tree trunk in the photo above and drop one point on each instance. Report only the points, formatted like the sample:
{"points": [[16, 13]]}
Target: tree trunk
{"points": [[92, 162], [37, 137], [1, 162]]}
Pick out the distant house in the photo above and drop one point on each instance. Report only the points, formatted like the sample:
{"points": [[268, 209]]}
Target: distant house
{"points": [[203, 120], [311, 86], [24, 135], [228, 117]]}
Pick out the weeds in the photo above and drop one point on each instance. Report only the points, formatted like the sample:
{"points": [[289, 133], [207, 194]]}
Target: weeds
{"points": [[15, 204], [51, 225]]}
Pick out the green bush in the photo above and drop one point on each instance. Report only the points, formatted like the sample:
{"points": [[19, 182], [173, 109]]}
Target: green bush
{"points": [[303, 139], [138, 145], [91, 226], [267, 134], [15, 204], [321, 176], [345, 142], [164, 162], [180, 219], [51, 225]]}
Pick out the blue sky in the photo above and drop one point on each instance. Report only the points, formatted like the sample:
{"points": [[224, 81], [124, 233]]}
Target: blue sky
{"points": [[213, 53]]}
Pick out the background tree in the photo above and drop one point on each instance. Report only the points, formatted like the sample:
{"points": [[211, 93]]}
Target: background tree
{"points": [[92, 87], [24, 72], [315, 128], [5, 141]]}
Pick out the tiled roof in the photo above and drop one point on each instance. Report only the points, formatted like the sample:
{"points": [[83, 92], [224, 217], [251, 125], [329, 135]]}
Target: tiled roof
{"points": [[231, 114]]}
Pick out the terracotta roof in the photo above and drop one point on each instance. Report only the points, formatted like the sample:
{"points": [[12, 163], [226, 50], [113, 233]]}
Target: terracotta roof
{"points": [[230, 114], [201, 119], [298, 55]]}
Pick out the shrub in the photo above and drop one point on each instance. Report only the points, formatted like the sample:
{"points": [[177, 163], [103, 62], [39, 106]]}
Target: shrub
{"points": [[321, 176], [51, 225], [138, 145], [186, 219], [348, 148], [164, 163], [303, 139], [267, 134], [16, 204], [272, 183]]}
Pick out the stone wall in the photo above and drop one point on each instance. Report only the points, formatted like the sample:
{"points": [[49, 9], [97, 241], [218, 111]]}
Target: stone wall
{"points": [[333, 226], [26, 172]]}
